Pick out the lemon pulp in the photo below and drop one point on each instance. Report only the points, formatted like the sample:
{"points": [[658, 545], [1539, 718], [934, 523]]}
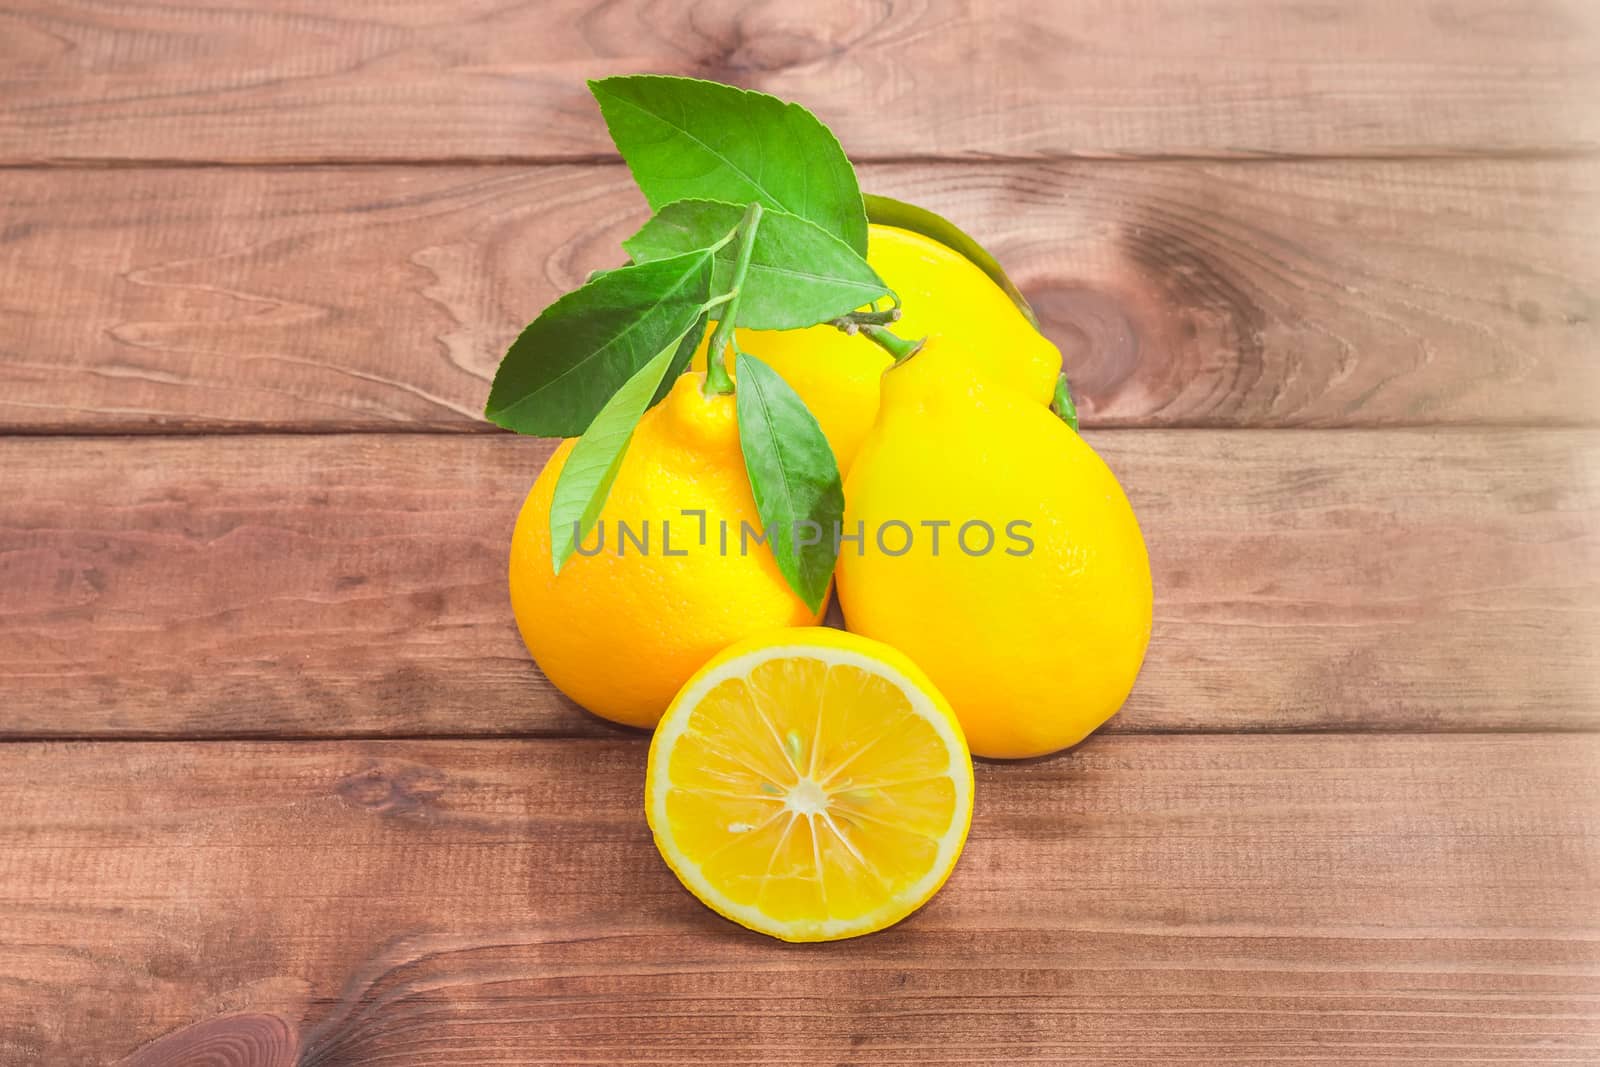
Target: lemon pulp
{"points": [[811, 785]]}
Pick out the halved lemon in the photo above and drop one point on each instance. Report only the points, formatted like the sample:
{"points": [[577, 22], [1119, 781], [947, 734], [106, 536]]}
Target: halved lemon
{"points": [[810, 784]]}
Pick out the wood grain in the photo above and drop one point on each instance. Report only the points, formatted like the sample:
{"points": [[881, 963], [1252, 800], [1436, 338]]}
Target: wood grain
{"points": [[248, 1039], [1399, 866], [1181, 900], [1326, 294], [297, 80], [354, 585]]}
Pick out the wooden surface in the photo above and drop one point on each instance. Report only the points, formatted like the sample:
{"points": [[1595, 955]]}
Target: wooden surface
{"points": [[278, 784], [1209, 899], [298, 80], [1346, 293], [354, 585]]}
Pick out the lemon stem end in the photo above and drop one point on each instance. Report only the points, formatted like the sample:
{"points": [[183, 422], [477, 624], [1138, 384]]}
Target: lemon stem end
{"points": [[898, 347]]}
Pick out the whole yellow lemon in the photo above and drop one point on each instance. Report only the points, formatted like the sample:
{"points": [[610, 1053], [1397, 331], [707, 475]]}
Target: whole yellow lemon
{"points": [[941, 292], [667, 578], [997, 551]]}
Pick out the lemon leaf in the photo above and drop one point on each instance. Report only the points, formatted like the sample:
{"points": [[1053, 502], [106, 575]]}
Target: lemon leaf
{"points": [[680, 359], [793, 476], [559, 373], [689, 139], [799, 274], [888, 211], [592, 466]]}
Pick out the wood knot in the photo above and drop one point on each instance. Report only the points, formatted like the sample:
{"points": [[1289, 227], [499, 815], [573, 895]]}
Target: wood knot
{"points": [[248, 1039], [745, 63], [392, 789], [1098, 339], [745, 54]]}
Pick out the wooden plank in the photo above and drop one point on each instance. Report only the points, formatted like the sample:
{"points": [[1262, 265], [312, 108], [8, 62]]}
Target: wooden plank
{"points": [[354, 585], [240, 1039], [296, 80], [1178, 900], [1325, 294]]}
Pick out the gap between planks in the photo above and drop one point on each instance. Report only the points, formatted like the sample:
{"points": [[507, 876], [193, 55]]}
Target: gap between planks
{"points": [[487, 429], [621, 736], [1550, 153]]}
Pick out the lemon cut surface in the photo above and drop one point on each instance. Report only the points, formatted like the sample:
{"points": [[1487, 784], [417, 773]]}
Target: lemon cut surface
{"points": [[810, 784]]}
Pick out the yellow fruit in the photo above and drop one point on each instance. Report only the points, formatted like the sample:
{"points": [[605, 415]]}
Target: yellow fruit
{"points": [[941, 292], [1034, 647], [810, 784], [619, 631]]}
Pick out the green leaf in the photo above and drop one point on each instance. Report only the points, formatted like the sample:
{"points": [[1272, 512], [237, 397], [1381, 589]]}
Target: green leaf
{"points": [[793, 476], [686, 139], [560, 372], [799, 274], [887, 211], [681, 357], [592, 465]]}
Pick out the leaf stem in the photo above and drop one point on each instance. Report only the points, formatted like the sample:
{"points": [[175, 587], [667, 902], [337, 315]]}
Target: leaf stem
{"points": [[898, 347], [718, 381], [1062, 405]]}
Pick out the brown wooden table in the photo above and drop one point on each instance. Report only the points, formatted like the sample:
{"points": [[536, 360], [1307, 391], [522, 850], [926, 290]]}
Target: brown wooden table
{"points": [[280, 785]]}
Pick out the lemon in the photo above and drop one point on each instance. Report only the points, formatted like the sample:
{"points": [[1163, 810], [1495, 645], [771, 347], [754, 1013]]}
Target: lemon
{"points": [[941, 292], [810, 784], [999, 553], [670, 578]]}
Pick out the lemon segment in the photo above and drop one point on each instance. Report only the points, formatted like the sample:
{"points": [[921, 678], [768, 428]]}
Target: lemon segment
{"points": [[810, 784]]}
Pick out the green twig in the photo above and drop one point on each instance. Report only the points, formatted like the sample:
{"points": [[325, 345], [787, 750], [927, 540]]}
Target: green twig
{"points": [[856, 319], [897, 346], [718, 380], [1062, 405]]}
